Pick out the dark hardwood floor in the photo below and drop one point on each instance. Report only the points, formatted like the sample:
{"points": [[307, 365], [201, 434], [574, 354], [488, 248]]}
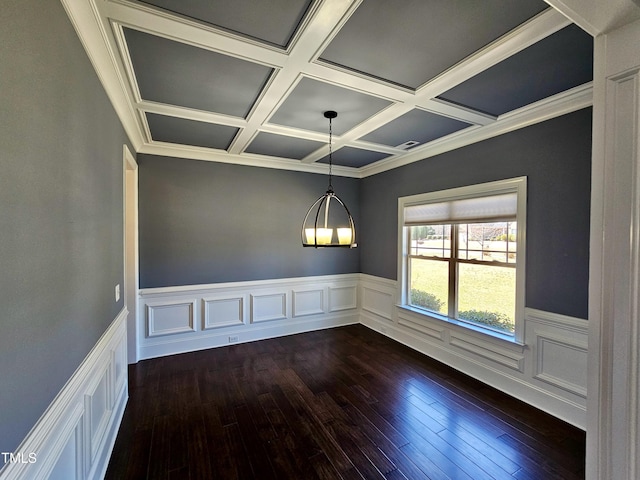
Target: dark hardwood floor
{"points": [[339, 403]]}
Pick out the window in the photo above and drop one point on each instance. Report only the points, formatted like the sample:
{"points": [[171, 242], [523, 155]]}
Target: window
{"points": [[462, 255]]}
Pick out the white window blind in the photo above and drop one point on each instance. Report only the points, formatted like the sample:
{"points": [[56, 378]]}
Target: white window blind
{"points": [[488, 208]]}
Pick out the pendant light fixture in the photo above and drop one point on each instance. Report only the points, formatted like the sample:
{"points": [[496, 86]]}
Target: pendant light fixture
{"points": [[323, 226]]}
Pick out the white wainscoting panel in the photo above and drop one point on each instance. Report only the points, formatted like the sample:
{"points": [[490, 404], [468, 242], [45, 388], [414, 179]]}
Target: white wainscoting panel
{"points": [[479, 347], [69, 465], [548, 371], [343, 298], [268, 307], [559, 350], [308, 302], [378, 297], [120, 364], [97, 406], [435, 330], [237, 312], [558, 363], [223, 312], [166, 318], [74, 438]]}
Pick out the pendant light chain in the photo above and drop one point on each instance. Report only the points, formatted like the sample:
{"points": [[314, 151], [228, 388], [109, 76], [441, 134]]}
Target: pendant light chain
{"points": [[330, 154]]}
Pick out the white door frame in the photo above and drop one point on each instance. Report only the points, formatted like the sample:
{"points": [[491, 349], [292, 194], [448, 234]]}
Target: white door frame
{"points": [[131, 285]]}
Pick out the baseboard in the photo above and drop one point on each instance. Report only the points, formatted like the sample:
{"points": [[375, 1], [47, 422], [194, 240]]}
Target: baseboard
{"points": [[203, 342], [75, 436]]}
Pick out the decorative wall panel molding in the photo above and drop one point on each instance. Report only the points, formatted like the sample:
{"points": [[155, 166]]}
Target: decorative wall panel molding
{"points": [[556, 363], [268, 307], [435, 331], [74, 438], [69, 464], [308, 302], [549, 371], [343, 298], [559, 346], [378, 297], [247, 311], [221, 312], [97, 407], [487, 350], [166, 318]]}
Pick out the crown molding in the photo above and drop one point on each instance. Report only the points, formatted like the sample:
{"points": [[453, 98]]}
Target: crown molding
{"points": [[566, 102], [251, 160], [93, 35]]}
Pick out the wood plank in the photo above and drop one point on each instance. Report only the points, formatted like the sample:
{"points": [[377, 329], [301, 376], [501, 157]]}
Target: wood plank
{"points": [[342, 403]]}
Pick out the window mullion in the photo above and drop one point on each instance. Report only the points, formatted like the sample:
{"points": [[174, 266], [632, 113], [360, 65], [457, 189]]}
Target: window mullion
{"points": [[408, 269], [453, 273]]}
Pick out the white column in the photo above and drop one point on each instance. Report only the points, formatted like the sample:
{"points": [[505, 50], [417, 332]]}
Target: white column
{"points": [[613, 439], [613, 399]]}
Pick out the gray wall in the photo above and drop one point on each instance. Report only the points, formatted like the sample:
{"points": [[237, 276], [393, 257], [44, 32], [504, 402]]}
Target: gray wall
{"points": [[204, 222], [60, 210], [556, 158]]}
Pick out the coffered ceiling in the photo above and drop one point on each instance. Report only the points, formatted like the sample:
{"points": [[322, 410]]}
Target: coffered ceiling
{"points": [[248, 81]]}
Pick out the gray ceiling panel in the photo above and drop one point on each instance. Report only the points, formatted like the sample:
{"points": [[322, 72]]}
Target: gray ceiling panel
{"points": [[178, 74], [416, 125], [354, 157], [305, 106], [559, 62], [408, 42], [244, 17], [190, 132], [282, 146]]}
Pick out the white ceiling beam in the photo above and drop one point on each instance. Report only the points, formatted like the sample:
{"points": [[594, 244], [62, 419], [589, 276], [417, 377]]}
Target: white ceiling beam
{"points": [[349, 138], [457, 112], [322, 22], [598, 16], [162, 24], [191, 114], [343, 77], [532, 31], [294, 132], [539, 27]]}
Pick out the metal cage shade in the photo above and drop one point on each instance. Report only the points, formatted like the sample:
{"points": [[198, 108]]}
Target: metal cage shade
{"points": [[324, 226], [329, 228]]}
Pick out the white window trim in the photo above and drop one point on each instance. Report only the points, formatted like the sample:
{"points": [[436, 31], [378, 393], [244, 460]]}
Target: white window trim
{"points": [[517, 185]]}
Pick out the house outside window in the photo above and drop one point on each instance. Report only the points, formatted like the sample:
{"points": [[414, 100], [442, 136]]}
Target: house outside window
{"points": [[462, 256]]}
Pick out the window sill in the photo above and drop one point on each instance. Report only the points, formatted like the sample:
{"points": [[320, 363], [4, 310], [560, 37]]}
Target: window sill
{"points": [[511, 340]]}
